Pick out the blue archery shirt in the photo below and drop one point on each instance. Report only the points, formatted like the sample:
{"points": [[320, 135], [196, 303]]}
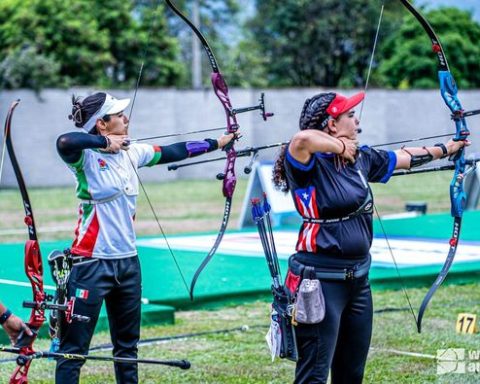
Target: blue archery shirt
{"points": [[324, 192]]}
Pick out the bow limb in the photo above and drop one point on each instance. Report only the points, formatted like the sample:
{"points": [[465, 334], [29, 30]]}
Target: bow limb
{"points": [[229, 178], [449, 92], [33, 261], [221, 91]]}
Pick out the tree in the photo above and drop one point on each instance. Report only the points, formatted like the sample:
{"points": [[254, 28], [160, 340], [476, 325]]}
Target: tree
{"points": [[218, 24], [139, 35], [87, 42], [24, 67], [323, 43], [408, 61], [246, 67]]}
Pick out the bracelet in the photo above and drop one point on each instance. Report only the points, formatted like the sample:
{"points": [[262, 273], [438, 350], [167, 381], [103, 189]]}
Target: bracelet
{"points": [[344, 147], [444, 149], [5, 316], [109, 142]]}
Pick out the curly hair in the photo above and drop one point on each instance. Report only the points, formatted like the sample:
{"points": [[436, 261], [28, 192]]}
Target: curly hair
{"points": [[314, 116], [279, 178], [83, 109]]}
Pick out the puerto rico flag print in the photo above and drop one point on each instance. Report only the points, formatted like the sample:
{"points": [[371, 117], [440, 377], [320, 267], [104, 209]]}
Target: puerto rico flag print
{"points": [[306, 201], [81, 294]]}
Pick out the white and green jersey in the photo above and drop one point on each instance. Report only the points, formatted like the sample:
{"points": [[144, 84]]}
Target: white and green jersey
{"points": [[107, 186]]}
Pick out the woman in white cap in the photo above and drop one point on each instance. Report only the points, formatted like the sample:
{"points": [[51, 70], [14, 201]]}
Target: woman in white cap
{"points": [[106, 266], [327, 175]]}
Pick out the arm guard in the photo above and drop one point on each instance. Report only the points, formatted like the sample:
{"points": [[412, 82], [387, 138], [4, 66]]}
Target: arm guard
{"points": [[417, 160], [183, 150]]}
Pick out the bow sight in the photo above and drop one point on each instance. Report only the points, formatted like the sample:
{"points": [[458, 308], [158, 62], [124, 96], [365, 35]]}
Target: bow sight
{"points": [[260, 106]]}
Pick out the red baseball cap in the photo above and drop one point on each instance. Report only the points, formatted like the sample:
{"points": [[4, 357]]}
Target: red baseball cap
{"points": [[341, 104]]}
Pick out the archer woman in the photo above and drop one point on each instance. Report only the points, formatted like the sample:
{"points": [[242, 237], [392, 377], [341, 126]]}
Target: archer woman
{"points": [[328, 175], [106, 266]]}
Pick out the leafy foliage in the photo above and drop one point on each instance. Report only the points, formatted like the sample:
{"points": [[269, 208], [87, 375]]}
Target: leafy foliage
{"points": [[219, 25], [57, 43], [309, 43], [408, 61], [26, 68], [94, 43]]}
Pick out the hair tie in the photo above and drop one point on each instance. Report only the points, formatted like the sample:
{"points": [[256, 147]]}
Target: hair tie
{"points": [[76, 115]]}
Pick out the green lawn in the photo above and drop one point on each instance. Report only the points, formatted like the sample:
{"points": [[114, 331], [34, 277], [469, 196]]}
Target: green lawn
{"points": [[192, 205], [242, 356]]}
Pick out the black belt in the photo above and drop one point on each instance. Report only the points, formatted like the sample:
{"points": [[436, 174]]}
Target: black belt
{"points": [[365, 208], [323, 221], [342, 274], [356, 272]]}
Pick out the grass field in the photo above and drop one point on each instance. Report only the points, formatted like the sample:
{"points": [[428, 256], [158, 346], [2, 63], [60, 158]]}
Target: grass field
{"points": [[192, 205], [242, 356]]}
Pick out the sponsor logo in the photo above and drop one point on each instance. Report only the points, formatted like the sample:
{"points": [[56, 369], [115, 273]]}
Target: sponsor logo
{"points": [[103, 165]]}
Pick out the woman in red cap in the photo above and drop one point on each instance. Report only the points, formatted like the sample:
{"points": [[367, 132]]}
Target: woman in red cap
{"points": [[105, 262], [327, 175]]}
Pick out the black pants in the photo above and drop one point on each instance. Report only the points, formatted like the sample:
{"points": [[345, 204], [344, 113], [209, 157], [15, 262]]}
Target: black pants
{"points": [[118, 282], [341, 341]]}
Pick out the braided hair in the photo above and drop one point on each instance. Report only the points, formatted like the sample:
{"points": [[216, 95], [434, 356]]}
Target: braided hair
{"points": [[314, 116], [83, 109], [314, 113]]}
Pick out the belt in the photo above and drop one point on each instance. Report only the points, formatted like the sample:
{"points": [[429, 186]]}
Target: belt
{"points": [[323, 221], [365, 208], [80, 259], [102, 201], [356, 272], [341, 274]]}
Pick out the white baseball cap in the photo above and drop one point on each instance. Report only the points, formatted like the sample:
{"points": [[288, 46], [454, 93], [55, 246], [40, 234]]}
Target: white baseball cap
{"points": [[110, 106]]}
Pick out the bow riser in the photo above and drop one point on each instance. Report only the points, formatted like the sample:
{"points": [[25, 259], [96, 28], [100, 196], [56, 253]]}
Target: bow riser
{"points": [[34, 272], [221, 90], [20, 374], [230, 179], [458, 197]]}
